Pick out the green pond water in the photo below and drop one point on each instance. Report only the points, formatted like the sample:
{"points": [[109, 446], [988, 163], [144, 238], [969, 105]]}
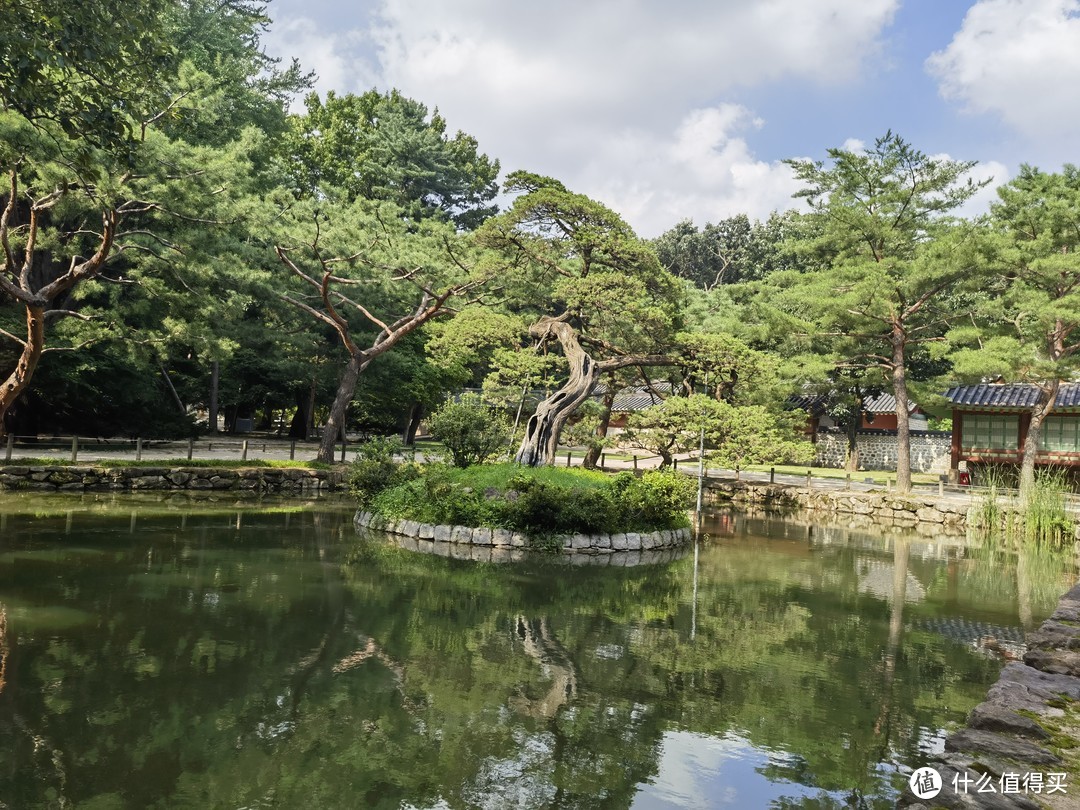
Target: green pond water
{"points": [[185, 654]]}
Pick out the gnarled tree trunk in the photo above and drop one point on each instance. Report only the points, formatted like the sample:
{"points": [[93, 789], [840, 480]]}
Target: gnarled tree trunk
{"points": [[335, 423], [17, 381], [545, 426]]}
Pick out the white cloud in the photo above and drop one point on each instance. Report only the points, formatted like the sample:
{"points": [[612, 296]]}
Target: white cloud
{"points": [[622, 99], [333, 56], [703, 170], [1019, 59]]}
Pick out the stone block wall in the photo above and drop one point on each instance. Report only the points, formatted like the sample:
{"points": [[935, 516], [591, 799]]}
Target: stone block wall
{"points": [[139, 479], [930, 450], [483, 537]]}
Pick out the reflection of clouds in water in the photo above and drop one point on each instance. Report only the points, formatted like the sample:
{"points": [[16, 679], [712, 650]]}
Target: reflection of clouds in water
{"points": [[524, 781], [699, 771], [876, 579]]}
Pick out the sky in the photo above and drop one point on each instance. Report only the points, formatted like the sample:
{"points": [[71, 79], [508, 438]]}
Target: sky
{"points": [[687, 109]]}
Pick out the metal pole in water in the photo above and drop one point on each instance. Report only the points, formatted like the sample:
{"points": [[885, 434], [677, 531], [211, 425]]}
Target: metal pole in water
{"points": [[700, 476]]}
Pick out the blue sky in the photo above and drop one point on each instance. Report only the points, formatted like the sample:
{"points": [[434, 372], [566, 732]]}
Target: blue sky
{"points": [[686, 109]]}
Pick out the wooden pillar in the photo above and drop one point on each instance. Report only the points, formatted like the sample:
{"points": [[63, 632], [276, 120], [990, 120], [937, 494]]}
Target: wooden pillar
{"points": [[957, 432]]}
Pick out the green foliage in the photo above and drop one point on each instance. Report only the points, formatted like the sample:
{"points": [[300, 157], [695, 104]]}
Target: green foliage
{"points": [[655, 497], [735, 435], [385, 146], [470, 430], [540, 501], [83, 67], [732, 250], [377, 468]]}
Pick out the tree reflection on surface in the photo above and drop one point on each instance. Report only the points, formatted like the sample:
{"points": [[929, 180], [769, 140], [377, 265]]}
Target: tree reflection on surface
{"points": [[232, 657]]}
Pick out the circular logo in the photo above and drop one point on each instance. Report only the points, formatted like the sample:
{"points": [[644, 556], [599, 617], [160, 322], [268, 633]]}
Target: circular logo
{"points": [[925, 783]]}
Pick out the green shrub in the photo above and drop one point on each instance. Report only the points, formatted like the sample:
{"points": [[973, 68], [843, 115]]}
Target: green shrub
{"points": [[655, 497], [376, 468], [540, 502], [471, 431]]}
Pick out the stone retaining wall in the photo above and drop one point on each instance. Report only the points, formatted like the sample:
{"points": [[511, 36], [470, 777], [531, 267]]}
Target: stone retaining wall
{"points": [[140, 479], [506, 539], [908, 511], [499, 554], [1029, 723], [930, 451]]}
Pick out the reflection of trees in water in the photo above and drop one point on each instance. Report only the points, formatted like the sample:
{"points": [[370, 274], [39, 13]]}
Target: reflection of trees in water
{"points": [[222, 678], [540, 645], [3, 646]]}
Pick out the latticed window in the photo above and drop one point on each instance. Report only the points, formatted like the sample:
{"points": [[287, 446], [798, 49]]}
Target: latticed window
{"points": [[983, 432], [1060, 434]]}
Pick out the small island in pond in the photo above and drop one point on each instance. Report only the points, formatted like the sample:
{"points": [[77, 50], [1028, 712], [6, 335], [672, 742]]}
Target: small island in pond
{"points": [[541, 508]]}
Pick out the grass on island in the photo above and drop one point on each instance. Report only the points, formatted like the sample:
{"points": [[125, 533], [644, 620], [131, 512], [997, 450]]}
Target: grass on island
{"points": [[533, 500]]}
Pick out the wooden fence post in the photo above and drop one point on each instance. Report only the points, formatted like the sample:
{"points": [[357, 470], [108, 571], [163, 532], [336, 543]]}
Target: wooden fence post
{"points": [[138, 448], [772, 475], [292, 452], [243, 452], [190, 449], [10, 446], [74, 449]]}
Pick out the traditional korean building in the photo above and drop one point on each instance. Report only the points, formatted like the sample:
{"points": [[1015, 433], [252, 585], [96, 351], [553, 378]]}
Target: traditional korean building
{"points": [[990, 424]]}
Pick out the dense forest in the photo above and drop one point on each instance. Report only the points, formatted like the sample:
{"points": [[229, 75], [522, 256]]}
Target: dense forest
{"points": [[178, 244]]}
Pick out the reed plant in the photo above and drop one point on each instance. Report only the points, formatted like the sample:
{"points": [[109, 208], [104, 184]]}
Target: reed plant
{"points": [[1038, 519]]}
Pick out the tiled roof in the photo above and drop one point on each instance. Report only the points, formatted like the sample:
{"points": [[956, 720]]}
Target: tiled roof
{"points": [[883, 403], [1019, 396], [635, 400]]}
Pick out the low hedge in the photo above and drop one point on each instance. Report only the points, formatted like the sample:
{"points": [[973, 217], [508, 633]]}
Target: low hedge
{"points": [[541, 500]]}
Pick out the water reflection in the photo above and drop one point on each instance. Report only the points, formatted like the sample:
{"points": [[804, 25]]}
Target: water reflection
{"points": [[231, 657]]}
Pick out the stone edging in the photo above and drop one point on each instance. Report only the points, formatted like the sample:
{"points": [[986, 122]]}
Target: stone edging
{"points": [[142, 479], [891, 509], [1014, 729], [504, 538]]}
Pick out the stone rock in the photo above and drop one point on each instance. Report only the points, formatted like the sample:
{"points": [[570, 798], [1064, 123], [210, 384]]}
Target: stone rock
{"points": [[461, 534], [633, 541], [1068, 609], [426, 531], [482, 536], [994, 717], [148, 482], [581, 542], [1056, 662], [603, 541], [1054, 635], [443, 533], [502, 538], [618, 541], [928, 514], [518, 540], [969, 740]]}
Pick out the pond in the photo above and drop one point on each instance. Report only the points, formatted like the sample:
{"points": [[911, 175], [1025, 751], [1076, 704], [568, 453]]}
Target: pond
{"points": [[171, 654]]}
